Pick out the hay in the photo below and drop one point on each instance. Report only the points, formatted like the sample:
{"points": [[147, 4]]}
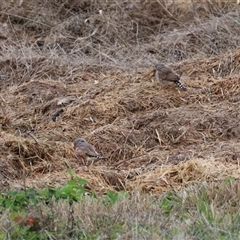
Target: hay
{"points": [[84, 73], [175, 177]]}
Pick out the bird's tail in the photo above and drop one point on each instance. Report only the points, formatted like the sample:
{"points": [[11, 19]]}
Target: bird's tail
{"points": [[180, 85]]}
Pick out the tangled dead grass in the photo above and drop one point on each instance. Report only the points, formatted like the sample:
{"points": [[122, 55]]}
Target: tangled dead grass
{"points": [[79, 72]]}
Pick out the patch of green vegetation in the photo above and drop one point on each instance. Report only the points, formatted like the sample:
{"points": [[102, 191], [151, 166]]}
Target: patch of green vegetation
{"points": [[16, 200], [113, 197], [18, 204], [170, 202], [196, 212]]}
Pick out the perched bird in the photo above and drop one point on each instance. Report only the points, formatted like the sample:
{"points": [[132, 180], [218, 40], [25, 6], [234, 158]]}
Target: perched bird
{"points": [[83, 149], [166, 74]]}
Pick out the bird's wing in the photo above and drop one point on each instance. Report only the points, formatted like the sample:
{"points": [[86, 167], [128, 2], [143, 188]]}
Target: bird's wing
{"points": [[161, 75], [165, 70], [91, 151], [171, 76]]}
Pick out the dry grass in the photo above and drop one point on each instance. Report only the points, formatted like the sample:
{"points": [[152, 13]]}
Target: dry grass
{"points": [[68, 70], [200, 211]]}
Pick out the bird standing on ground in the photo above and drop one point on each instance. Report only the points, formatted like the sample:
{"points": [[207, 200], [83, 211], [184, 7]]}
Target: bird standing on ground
{"points": [[83, 149], [166, 74]]}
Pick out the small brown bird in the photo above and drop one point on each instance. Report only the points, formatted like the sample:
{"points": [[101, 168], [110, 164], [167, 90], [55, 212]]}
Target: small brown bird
{"points": [[83, 149], [166, 74]]}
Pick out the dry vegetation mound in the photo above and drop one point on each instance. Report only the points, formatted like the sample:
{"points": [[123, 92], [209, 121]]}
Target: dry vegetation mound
{"points": [[85, 68]]}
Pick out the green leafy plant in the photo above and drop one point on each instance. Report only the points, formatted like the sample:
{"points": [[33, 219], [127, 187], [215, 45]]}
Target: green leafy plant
{"points": [[18, 204], [113, 197], [73, 190]]}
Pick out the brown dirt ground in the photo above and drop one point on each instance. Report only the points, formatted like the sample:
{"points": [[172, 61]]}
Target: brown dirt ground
{"points": [[59, 83]]}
